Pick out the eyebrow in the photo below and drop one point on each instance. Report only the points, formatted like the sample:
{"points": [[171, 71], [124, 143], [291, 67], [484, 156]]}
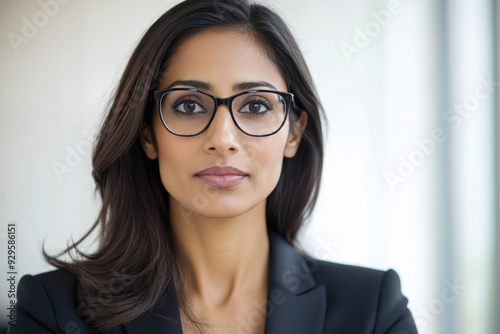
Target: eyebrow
{"points": [[252, 85], [207, 86], [191, 83]]}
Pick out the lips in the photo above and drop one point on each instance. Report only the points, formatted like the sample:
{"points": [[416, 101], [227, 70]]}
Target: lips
{"points": [[221, 176]]}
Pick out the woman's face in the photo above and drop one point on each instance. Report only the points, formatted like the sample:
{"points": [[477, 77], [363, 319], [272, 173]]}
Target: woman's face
{"points": [[221, 59]]}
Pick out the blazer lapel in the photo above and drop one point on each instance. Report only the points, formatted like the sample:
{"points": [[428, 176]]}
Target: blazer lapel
{"points": [[295, 304]]}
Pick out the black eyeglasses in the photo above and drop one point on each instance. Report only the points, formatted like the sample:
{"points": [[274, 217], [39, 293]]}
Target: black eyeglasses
{"points": [[188, 112]]}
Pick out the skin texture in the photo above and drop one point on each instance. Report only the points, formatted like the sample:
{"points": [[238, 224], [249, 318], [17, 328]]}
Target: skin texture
{"points": [[221, 232]]}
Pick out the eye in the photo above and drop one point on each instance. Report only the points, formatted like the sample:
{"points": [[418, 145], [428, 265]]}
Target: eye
{"points": [[188, 107], [256, 107]]}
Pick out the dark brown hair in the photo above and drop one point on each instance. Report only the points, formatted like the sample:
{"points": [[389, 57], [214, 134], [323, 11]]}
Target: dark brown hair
{"points": [[135, 260]]}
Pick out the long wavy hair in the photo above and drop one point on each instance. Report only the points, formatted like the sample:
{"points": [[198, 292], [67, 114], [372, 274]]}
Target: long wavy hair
{"points": [[136, 261]]}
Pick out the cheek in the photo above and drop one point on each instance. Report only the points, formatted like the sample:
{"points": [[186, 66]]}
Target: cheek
{"points": [[174, 155], [168, 145], [169, 157], [168, 165], [268, 154]]}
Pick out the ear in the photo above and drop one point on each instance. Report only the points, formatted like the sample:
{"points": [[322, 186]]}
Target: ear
{"points": [[296, 130], [148, 142]]}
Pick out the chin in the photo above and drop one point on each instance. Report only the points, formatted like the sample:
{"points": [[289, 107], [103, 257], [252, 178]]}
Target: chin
{"points": [[223, 212]]}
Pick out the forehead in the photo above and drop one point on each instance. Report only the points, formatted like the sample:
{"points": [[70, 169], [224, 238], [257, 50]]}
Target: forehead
{"points": [[221, 58]]}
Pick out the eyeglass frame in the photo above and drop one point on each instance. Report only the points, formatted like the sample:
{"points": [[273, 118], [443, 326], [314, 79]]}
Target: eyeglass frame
{"points": [[227, 101]]}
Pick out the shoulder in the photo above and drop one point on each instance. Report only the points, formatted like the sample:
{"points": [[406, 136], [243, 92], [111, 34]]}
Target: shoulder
{"points": [[356, 284], [355, 292], [356, 299], [47, 302], [58, 286], [345, 276], [60, 281]]}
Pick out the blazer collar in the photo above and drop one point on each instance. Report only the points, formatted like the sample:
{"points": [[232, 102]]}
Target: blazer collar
{"points": [[295, 303]]}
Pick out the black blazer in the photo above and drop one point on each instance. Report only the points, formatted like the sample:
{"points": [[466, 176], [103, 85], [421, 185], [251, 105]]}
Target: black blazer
{"points": [[305, 296]]}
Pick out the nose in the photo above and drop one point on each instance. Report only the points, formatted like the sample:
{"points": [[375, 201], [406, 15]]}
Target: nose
{"points": [[222, 134]]}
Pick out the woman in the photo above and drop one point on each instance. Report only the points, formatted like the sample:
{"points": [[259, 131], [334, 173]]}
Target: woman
{"points": [[208, 164]]}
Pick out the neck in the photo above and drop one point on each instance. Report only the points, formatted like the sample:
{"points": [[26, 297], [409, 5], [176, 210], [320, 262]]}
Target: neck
{"points": [[221, 258]]}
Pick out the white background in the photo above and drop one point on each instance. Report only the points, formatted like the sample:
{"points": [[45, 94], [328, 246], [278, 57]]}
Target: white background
{"points": [[380, 102]]}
